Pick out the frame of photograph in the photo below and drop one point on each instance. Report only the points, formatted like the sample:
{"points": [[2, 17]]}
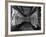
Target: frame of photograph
{"points": [[42, 5]]}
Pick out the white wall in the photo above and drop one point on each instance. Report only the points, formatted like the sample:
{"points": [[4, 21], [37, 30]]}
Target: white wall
{"points": [[2, 17]]}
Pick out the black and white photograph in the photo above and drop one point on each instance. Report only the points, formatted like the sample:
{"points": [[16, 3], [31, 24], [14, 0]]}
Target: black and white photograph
{"points": [[25, 18]]}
